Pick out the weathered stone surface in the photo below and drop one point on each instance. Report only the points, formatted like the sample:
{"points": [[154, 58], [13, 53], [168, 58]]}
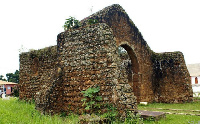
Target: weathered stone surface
{"points": [[152, 115], [89, 56], [171, 78]]}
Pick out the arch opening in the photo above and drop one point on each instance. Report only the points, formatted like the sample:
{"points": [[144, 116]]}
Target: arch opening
{"points": [[130, 66]]}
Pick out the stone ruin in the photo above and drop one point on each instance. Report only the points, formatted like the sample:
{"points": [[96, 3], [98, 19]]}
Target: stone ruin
{"points": [[55, 76]]}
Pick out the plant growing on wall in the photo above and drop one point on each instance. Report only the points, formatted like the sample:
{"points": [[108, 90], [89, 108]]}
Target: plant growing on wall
{"points": [[71, 23], [92, 21], [91, 98]]}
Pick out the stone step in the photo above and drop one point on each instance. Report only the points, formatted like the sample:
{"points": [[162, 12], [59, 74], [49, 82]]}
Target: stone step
{"points": [[152, 115]]}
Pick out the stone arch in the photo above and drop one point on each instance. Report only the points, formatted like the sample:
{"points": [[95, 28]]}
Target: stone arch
{"points": [[134, 77]]}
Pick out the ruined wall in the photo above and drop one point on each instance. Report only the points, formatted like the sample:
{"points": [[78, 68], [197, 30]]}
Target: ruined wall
{"points": [[93, 59], [88, 56], [36, 71], [128, 36], [144, 81], [171, 78]]}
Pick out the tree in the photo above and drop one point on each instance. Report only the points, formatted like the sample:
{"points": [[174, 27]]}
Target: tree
{"points": [[13, 77], [2, 78]]}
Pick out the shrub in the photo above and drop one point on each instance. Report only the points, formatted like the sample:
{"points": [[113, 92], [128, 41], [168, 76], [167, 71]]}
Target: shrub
{"points": [[71, 23], [91, 98]]}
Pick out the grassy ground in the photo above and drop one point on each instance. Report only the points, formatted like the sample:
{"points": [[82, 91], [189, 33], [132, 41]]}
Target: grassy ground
{"points": [[14, 111], [174, 119], [185, 106]]}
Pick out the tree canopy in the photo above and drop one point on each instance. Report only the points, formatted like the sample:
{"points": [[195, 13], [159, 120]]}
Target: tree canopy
{"points": [[13, 77], [2, 78]]}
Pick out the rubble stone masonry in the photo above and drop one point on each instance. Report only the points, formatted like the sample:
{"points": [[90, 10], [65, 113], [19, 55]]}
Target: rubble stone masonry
{"points": [[89, 56]]}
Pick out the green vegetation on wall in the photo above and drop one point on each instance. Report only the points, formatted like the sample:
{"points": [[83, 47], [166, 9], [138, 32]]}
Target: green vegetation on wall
{"points": [[91, 98], [92, 21], [71, 23]]}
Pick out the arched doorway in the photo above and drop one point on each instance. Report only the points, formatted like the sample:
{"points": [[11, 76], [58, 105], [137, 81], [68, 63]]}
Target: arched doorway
{"points": [[130, 63]]}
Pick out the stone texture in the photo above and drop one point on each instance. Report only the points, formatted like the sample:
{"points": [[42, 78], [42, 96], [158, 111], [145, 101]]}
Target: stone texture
{"points": [[36, 71], [171, 78], [88, 56]]}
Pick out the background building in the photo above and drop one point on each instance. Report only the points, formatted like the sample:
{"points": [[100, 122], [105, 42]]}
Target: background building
{"points": [[6, 87], [194, 70]]}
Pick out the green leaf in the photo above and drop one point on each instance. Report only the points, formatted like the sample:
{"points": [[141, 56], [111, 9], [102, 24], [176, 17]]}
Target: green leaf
{"points": [[92, 102], [87, 108], [98, 106], [98, 98], [84, 99], [83, 103]]}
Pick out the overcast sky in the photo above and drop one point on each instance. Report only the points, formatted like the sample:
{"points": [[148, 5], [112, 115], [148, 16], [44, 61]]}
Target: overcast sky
{"points": [[166, 25]]}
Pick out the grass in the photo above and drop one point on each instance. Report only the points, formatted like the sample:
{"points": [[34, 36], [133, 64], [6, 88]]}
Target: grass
{"points": [[185, 106], [14, 111], [174, 119], [172, 111]]}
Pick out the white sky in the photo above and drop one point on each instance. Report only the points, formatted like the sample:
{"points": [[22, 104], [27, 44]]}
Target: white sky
{"points": [[166, 25]]}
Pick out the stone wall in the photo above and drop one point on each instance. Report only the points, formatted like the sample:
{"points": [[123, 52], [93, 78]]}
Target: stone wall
{"points": [[128, 36], [143, 77], [88, 56], [171, 79], [36, 71]]}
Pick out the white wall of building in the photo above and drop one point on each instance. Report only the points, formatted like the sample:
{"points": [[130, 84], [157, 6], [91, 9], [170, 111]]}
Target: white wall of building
{"points": [[195, 87]]}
